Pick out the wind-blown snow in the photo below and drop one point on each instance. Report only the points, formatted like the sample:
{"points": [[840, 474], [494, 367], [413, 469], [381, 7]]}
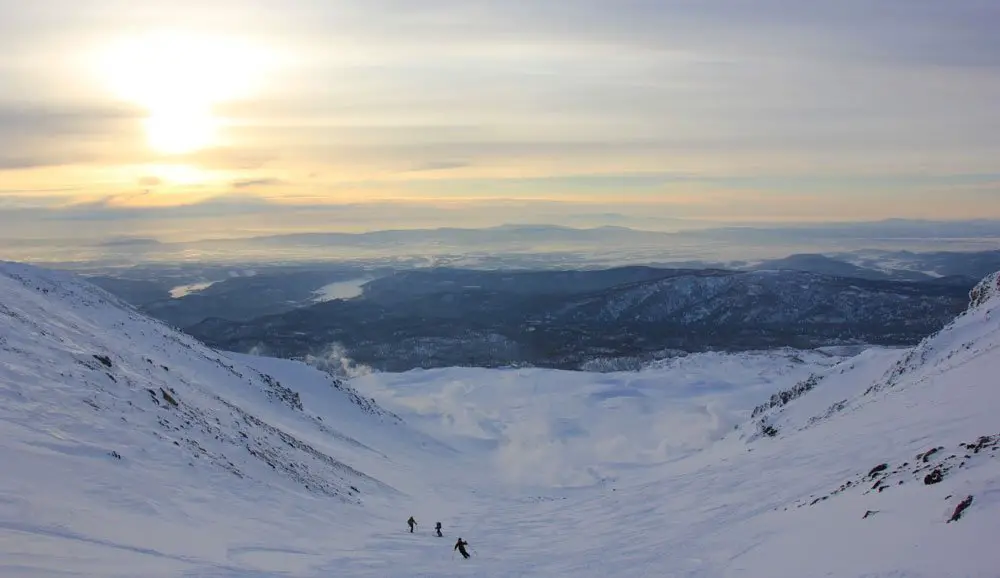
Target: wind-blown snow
{"points": [[546, 428], [131, 450]]}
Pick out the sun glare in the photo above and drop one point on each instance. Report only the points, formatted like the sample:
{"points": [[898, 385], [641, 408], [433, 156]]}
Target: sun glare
{"points": [[180, 131], [178, 79]]}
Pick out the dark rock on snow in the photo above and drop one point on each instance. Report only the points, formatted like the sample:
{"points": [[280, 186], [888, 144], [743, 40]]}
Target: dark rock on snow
{"points": [[934, 477], [960, 509]]}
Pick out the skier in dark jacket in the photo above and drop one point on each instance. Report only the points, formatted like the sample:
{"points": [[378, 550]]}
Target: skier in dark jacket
{"points": [[460, 546], [438, 528], [412, 523]]}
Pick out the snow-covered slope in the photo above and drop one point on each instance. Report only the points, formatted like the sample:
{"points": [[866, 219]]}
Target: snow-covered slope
{"points": [[131, 450], [125, 441], [813, 499]]}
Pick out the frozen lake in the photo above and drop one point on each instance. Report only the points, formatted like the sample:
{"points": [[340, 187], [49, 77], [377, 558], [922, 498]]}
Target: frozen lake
{"points": [[341, 289]]}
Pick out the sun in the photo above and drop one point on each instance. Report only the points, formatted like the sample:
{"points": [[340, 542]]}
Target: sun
{"points": [[181, 130], [178, 78]]}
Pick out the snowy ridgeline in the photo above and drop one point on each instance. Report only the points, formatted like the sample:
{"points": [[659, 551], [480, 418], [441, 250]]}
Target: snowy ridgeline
{"points": [[133, 450]]}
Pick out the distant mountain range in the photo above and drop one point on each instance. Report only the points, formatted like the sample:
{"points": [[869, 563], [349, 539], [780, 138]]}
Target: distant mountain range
{"points": [[540, 235], [530, 245], [518, 235], [816, 263], [445, 317]]}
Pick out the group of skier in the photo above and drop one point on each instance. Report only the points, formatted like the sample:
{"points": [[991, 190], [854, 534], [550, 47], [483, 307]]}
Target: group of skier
{"points": [[460, 545]]}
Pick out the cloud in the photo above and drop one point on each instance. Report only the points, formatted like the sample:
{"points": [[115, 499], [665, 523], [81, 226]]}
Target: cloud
{"points": [[39, 135], [258, 183], [228, 158], [710, 203], [150, 181], [438, 166], [16, 202], [895, 30], [13, 161], [53, 120], [129, 206]]}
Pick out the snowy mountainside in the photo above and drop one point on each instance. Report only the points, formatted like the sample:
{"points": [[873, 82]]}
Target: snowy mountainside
{"points": [[882, 464], [861, 379], [856, 480], [907, 442], [94, 350], [109, 415]]}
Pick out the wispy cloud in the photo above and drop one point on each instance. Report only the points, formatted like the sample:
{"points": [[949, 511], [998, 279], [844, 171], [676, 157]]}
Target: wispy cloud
{"points": [[150, 181], [431, 166], [33, 136], [258, 183]]}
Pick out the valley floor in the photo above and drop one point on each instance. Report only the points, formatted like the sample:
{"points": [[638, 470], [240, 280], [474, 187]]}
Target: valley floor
{"points": [[693, 507]]}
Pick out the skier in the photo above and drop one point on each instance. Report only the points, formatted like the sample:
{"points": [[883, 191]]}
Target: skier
{"points": [[460, 546], [412, 523], [438, 528]]}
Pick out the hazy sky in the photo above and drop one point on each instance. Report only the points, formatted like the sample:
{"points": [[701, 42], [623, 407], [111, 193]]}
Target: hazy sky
{"points": [[373, 112]]}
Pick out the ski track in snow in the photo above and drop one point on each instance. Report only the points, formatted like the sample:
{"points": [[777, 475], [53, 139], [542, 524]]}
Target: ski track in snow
{"points": [[546, 473]]}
